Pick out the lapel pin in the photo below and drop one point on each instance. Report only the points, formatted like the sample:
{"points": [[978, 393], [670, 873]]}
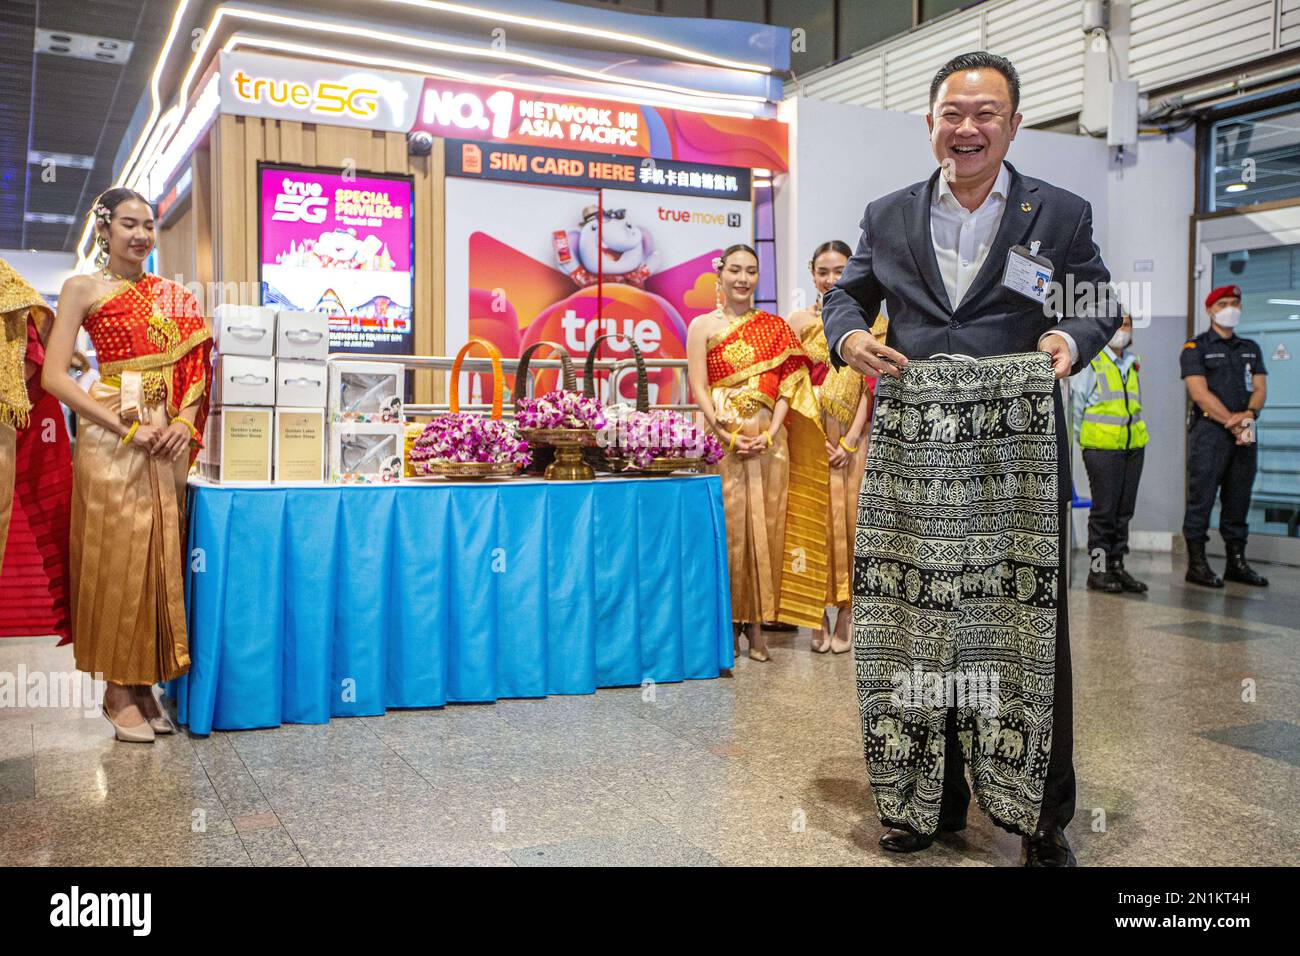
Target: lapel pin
{"points": [[1025, 207]]}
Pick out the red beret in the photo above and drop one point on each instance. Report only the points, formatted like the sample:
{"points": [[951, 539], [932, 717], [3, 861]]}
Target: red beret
{"points": [[1221, 292]]}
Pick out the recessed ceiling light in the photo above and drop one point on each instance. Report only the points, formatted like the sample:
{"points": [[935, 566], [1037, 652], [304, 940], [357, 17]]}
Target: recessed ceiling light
{"points": [[1236, 188], [83, 46]]}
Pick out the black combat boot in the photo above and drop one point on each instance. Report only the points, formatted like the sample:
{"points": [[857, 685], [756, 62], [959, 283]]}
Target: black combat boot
{"points": [[1115, 567], [1239, 569], [1198, 569]]}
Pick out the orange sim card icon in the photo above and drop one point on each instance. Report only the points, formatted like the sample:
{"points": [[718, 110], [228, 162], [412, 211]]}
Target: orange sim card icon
{"points": [[471, 158]]}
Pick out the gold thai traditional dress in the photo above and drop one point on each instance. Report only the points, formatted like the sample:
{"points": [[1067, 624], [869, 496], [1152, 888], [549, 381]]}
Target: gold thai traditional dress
{"points": [[127, 561], [18, 301], [838, 393], [775, 502]]}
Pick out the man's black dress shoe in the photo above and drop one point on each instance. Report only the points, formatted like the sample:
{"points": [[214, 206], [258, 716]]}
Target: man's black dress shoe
{"points": [[1048, 848], [897, 840], [904, 841]]}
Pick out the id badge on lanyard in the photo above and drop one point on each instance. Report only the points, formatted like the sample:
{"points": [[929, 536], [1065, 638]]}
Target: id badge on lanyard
{"points": [[1027, 272], [1250, 382]]}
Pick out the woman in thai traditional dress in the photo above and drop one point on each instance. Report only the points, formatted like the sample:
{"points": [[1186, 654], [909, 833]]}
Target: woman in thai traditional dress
{"points": [[750, 378], [34, 554], [138, 430], [845, 401]]}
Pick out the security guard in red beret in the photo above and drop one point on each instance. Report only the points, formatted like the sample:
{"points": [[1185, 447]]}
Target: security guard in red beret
{"points": [[1227, 384]]}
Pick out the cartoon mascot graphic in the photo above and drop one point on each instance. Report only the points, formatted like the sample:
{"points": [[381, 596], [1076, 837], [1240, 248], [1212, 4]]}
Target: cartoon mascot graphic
{"points": [[609, 245]]}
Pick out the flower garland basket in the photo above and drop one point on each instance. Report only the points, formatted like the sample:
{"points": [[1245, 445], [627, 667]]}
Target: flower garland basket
{"points": [[463, 446], [608, 455], [565, 419], [543, 453]]}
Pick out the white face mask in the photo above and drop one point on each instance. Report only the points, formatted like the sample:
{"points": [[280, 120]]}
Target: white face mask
{"points": [[1119, 342], [1228, 317]]}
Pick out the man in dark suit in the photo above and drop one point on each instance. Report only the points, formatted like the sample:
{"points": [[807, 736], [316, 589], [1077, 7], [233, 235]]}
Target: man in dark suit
{"points": [[935, 253]]}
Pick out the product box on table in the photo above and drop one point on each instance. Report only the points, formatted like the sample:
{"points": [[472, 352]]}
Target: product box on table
{"points": [[364, 453], [238, 441], [302, 335], [299, 444], [243, 330], [300, 384], [243, 380], [369, 392]]}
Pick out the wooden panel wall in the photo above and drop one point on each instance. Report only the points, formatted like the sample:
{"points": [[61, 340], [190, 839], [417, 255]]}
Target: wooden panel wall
{"points": [[239, 143]]}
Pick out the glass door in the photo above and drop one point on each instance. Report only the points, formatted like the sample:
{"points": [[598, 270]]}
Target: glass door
{"points": [[1260, 252]]}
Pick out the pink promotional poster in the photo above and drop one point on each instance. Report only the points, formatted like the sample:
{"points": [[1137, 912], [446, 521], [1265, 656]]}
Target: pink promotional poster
{"points": [[340, 244]]}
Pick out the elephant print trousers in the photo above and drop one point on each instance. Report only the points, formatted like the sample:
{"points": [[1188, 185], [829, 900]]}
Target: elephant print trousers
{"points": [[955, 585]]}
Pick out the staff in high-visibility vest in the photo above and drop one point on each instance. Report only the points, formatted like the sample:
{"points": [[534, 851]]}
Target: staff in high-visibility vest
{"points": [[1107, 411]]}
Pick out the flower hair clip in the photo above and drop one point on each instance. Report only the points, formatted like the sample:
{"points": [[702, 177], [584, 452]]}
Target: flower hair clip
{"points": [[717, 263], [103, 214]]}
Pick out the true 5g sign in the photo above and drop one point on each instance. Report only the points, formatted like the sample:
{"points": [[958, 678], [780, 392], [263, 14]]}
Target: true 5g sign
{"points": [[273, 87]]}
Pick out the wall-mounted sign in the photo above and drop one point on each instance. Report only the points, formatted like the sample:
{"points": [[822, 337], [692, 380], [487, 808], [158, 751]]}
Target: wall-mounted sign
{"points": [[310, 91], [340, 244], [534, 164], [254, 84]]}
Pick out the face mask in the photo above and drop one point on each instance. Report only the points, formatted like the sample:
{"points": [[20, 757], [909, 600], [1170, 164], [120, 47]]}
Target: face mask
{"points": [[1119, 342], [1227, 318]]}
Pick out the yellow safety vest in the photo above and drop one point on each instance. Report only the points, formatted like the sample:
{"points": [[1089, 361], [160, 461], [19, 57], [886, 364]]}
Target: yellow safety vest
{"points": [[1115, 421]]}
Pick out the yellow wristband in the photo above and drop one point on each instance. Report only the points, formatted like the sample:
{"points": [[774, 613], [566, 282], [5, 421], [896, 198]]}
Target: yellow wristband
{"points": [[851, 450], [130, 433], [768, 436], [194, 432]]}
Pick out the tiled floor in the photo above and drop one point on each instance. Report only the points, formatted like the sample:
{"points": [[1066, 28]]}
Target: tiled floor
{"points": [[1187, 744]]}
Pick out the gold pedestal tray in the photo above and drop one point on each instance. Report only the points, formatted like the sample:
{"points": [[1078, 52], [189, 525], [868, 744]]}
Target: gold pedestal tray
{"points": [[568, 444], [465, 470], [667, 466]]}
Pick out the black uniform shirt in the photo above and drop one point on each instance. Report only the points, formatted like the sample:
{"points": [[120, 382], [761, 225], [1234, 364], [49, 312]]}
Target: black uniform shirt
{"points": [[1227, 365]]}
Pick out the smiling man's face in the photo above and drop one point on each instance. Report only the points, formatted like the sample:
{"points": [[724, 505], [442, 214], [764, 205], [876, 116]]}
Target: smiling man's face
{"points": [[972, 125]]}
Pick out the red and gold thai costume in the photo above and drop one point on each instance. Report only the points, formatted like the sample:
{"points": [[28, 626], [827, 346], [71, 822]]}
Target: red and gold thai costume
{"points": [[34, 575], [23, 313], [838, 393], [775, 502], [128, 609]]}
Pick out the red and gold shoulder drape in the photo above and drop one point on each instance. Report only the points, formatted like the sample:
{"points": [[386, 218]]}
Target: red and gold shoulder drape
{"points": [[154, 326], [759, 353]]}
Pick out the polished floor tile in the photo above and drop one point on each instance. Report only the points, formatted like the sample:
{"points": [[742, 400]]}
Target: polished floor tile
{"points": [[1187, 726]]}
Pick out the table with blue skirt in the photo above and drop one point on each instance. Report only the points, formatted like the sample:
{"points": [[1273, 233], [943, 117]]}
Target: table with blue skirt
{"points": [[310, 602]]}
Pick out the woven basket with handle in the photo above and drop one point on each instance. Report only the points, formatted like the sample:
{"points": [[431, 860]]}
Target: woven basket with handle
{"points": [[471, 469], [543, 454], [611, 458]]}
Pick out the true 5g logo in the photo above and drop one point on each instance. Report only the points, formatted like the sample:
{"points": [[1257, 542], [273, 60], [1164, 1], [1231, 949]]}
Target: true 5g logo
{"points": [[300, 202], [356, 101]]}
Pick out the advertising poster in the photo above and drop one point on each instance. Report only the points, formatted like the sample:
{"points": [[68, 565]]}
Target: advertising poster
{"points": [[342, 245], [523, 261]]}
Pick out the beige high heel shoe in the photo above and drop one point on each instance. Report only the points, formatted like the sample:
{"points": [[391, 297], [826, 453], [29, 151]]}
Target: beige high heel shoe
{"points": [[139, 734], [161, 724], [821, 638], [757, 653], [841, 646]]}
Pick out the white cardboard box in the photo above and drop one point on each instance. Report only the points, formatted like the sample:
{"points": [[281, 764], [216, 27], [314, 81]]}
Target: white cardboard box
{"points": [[363, 453], [299, 444], [243, 380], [366, 392], [300, 384], [244, 330], [238, 444], [302, 335]]}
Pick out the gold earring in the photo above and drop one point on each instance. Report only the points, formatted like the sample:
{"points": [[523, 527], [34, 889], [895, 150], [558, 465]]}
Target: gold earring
{"points": [[717, 287]]}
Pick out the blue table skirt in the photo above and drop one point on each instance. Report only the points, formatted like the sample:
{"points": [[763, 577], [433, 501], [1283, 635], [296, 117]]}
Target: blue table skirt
{"points": [[306, 603]]}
